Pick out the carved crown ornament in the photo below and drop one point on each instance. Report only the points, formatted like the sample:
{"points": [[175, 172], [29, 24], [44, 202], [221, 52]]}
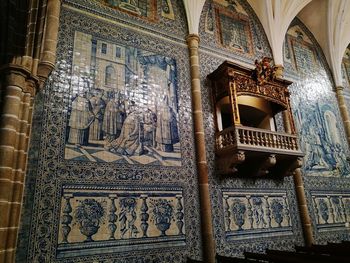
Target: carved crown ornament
{"points": [[264, 71]]}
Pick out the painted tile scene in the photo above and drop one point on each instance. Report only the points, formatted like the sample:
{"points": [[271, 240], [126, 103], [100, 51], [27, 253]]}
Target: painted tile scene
{"points": [[124, 105], [233, 24], [315, 112]]}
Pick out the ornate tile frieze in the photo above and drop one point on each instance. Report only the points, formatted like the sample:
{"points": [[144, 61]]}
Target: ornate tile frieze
{"points": [[255, 213], [330, 210], [105, 219], [155, 16]]}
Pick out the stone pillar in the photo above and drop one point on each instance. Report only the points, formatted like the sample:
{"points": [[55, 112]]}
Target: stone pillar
{"points": [[19, 80], [343, 111], [299, 186], [48, 55], [18, 89], [302, 205], [202, 166]]}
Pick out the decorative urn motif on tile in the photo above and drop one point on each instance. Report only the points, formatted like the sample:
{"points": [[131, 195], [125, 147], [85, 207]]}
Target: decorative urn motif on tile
{"points": [[162, 214], [238, 211], [277, 211], [88, 214]]}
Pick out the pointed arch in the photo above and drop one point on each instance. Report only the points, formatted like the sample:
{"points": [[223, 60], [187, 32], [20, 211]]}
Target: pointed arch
{"points": [[275, 17], [193, 13], [338, 35], [329, 23]]}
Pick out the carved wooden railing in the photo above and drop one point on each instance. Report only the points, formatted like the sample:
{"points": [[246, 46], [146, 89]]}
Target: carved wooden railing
{"points": [[248, 138]]}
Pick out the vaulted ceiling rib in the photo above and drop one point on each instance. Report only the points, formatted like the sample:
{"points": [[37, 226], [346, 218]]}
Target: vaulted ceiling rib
{"points": [[328, 21], [275, 17]]}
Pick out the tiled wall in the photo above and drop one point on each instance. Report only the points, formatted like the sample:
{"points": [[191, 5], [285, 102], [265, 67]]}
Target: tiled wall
{"points": [[242, 199], [112, 160], [125, 190], [326, 166]]}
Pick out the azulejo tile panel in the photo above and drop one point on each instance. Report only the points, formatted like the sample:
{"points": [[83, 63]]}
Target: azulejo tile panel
{"points": [[124, 105], [63, 165], [230, 29], [255, 213], [332, 210], [320, 129], [97, 219], [156, 16], [142, 8], [234, 29], [315, 109]]}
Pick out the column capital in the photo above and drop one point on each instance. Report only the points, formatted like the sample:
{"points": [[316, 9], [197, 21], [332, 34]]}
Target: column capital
{"points": [[44, 70], [339, 88], [191, 37], [278, 70], [19, 76]]}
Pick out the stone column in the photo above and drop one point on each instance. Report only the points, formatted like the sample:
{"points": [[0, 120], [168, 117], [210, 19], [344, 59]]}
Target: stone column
{"points": [[343, 111], [202, 166], [18, 89], [48, 54], [19, 80], [303, 210], [299, 187]]}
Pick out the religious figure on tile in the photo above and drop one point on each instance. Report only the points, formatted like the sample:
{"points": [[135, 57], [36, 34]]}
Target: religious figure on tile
{"points": [[98, 107], [149, 128], [167, 132], [342, 162], [235, 40], [316, 156], [130, 141], [81, 118], [113, 118]]}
